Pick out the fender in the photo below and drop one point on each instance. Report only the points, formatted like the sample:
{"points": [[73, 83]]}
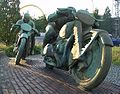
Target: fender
{"points": [[106, 40], [23, 35]]}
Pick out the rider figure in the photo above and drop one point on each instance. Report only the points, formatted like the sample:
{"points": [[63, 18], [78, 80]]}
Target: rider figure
{"points": [[55, 23], [25, 19]]}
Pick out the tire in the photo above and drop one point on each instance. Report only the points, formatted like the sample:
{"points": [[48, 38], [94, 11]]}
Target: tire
{"points": [[49, 66], [28, 47], [99, 59], [20, 51]]}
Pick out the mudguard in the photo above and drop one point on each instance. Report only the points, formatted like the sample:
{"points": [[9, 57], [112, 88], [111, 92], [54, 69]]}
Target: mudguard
{"points": [[106, 40], [23, 35]]}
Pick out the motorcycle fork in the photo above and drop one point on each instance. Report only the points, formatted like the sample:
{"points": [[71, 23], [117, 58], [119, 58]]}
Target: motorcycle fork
{"points": [[80, 60], [18, 42], [27, 47], [64, 59]]}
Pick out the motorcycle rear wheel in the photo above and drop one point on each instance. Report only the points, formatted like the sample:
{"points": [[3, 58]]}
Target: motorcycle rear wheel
{"points": [[99, 59], [49, 66], [20, 51]]}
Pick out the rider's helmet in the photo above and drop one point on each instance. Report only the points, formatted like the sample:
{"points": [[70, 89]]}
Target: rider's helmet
{"points": [[85, 17], [72, 9], [66, 11], [26, 17]]}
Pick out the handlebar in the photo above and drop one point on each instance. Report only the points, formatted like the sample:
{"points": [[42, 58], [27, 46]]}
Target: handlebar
{"points": [[36, 31], [14, 27], [23, 26]]}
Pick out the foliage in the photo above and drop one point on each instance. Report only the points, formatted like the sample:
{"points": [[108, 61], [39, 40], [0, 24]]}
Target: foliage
{"points": [[96, 14], [116, 55], [9, 14], [40, 23], [108, 22], [107, 25], [38, 49], [105, 21], [2, 46], [9, 51], [107, 13]]}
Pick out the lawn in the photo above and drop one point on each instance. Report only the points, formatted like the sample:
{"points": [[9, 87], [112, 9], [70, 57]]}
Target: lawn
{"points": [[116, 55], [2, 47]]}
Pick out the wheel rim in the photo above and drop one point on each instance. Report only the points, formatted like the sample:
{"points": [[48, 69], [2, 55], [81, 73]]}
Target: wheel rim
{"points": [[93, 57]]}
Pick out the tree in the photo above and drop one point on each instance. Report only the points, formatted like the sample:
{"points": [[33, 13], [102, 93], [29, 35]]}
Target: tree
{"points": [[96, 13], [9, 14], [107, 13], [108, 22], [40, 23]]}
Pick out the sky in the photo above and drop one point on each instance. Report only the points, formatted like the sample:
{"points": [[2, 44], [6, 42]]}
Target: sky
{"points": [[50, 6]]}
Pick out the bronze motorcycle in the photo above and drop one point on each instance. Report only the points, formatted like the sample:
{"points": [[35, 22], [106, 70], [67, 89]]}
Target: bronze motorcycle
{"points": [[94, 59]]}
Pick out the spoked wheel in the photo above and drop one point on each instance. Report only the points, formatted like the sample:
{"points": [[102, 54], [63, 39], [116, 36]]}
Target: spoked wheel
{"points": [[49, 66], [98, 59], [20, 51]]}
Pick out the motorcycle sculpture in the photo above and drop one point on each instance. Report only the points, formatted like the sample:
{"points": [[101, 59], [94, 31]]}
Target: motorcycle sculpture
{"points": [[24, 41], [93, 64]]}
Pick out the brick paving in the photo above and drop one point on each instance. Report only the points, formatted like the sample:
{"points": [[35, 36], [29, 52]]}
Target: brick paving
{"points": [[31, 77]]}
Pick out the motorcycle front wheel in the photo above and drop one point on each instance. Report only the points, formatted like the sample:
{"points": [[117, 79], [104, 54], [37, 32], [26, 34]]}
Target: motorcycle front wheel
{"points": [[98, 59], [21, 49]]}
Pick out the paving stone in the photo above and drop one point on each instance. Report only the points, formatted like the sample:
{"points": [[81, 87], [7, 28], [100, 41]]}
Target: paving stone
{"points": [[37, 90], [5, 91], [32, 92], [23, 82], [19, 91], [32, 78], [23, 89], [12, 91], [1, 90], [45, 92], [39, 87], [20, 84], [32, 85], [16, 86]]}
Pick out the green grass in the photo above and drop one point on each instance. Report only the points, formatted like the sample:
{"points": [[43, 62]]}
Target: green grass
{"points": [[8, 50], [116, 55], [38, 49], [2, 46]]}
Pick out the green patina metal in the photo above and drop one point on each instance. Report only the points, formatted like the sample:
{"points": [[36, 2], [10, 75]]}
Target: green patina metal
{"points": [[26, 27], [24, 43], [86, 54]]}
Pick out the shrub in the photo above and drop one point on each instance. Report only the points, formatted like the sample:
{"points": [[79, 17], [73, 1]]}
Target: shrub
{"points": [[9, 14], [2, 46], [116, 55], [9, 50], [38, 49]]}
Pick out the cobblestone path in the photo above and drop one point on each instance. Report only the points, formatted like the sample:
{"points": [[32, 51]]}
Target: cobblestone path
{"points": [[31, 77]]}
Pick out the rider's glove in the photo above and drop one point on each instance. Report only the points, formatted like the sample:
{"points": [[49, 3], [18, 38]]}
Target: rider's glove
{"points": [[11, 29]]}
